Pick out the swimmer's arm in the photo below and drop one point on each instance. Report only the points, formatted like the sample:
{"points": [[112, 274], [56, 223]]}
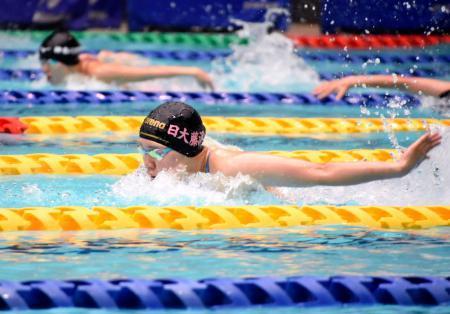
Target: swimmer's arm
{"points": [[123, 73], [280, 171], [119, 57], [426, 86]]}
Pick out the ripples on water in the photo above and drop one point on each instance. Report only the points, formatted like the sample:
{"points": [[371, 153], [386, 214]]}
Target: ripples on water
{"points": [[320, 250]]}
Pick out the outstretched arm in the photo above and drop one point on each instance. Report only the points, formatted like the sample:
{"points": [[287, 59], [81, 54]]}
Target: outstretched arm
{"points": [[279, 171], [124, 73], [414, 84]]}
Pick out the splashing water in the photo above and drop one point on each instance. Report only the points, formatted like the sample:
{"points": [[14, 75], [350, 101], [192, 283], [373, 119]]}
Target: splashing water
{"points": [[179, 84], [176, 188], [440, 105], [428, 184], [395, 107], [267, 63], [29, 62]]}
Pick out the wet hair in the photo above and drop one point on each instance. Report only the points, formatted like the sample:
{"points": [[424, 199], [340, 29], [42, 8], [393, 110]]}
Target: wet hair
{"points": [[175, 125], [60, 46]]}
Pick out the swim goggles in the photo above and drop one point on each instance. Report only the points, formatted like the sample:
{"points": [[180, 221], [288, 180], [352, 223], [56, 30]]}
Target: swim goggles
{"points": [[156, 153], [48, 61]]}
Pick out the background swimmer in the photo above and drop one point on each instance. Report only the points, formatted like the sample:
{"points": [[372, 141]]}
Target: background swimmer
{"points": [[60, 56], [176, 142], [427, 86]]}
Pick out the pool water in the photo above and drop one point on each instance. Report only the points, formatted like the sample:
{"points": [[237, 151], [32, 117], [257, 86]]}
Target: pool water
{"points": [[312, 250]]}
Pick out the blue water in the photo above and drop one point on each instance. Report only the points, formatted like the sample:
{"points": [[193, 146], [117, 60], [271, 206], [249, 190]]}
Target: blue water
{"points": [[312, 250], [227, 253], [217, 109], [235, 253]]}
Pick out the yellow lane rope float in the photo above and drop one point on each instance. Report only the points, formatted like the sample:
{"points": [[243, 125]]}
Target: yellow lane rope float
{"points": [[120, 164], [281, 126], [219, 217]]}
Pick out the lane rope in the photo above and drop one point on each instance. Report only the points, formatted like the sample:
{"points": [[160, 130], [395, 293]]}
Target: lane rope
{"points": [[225, 293], [9, 98], [221, 41], [247, 125], [71, 218]]}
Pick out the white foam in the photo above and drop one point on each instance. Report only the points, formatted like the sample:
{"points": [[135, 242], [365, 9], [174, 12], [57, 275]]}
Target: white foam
{"points": [[29, 62], [267, 63], [178, 188], [83, 82], [428, 184], [33, 192], [179, 84], [440, 105]]}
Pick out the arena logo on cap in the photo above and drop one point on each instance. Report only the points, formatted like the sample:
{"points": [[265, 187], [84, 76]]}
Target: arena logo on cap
{"points": [[155, 123]]}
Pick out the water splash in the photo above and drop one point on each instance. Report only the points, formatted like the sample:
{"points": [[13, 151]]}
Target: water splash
{"points": [[439, 105], [179, 84], [29, 62], [426, 185], [177, 188], [395, 107], [83, 82], [268, 63]]}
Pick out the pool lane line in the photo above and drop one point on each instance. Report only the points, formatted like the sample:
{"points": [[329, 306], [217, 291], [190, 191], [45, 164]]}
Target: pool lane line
{"points": [[270, 292], [75, 218], [222, 41], [242, 125], [108, 97]]}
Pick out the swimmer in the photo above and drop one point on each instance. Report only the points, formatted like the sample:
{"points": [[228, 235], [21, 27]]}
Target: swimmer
{"points": [[60, 56], [171, 137], [421, 86]]}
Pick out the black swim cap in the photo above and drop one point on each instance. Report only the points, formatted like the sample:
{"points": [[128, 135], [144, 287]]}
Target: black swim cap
{"points": [[175, 125], [60, 46]]}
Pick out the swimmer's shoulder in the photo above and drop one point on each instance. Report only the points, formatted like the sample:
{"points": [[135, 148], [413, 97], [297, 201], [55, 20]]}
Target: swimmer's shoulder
{"points": [[89, 63], [88, 57]]}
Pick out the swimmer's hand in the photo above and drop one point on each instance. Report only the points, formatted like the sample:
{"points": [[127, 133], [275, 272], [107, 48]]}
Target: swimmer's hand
{"points": [[418, 151], [204, 79], [340, 87]]}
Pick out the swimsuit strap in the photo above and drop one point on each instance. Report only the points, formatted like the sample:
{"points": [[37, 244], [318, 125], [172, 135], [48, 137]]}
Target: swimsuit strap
{"points": [[207, 163]]}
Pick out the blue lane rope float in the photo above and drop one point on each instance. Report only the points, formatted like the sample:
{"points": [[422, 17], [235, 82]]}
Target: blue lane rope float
{"points": [[107, 97], [35, 74], [192, 55], [217, 293]]}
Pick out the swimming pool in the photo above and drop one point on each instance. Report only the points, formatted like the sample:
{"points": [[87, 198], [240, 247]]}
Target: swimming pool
{"points": [[304, 250]]}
